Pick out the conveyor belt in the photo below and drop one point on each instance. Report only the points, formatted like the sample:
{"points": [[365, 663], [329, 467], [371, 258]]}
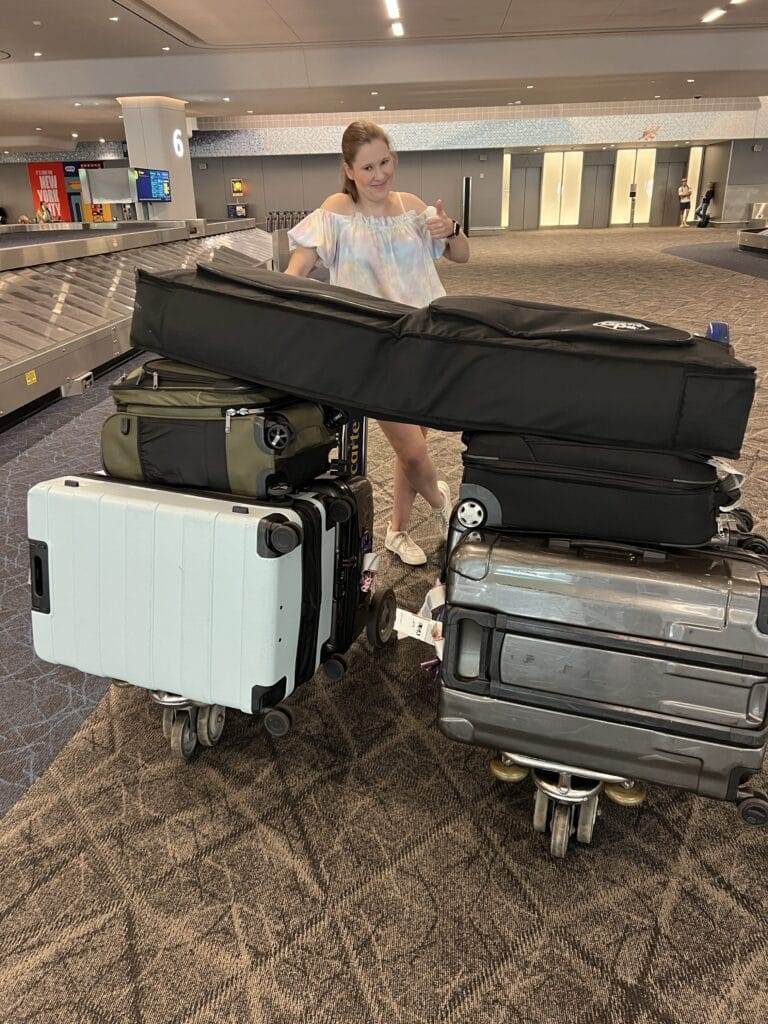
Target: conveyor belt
{"points": [[61, 320]]}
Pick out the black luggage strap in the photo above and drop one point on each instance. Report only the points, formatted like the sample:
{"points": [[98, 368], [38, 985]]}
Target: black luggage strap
{"points": [[311, 589]]}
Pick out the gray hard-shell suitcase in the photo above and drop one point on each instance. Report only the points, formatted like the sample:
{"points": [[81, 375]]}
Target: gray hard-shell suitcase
{"points": [[640, 663], [181, 426]]}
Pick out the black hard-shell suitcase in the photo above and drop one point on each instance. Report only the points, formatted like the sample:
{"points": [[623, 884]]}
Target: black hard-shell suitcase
{"points": [[541, 485], [622, 660], [461, 363]]}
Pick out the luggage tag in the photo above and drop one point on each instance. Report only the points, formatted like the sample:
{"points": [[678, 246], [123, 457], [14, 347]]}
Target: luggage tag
{"points": [[427, 626], [369, 571]]}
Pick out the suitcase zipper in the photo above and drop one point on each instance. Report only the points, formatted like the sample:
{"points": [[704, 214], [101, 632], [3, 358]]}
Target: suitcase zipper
{"points": [[230, 413], [636, 482]]}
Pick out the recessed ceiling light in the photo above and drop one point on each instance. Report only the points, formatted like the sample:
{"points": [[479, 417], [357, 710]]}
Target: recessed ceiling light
{"points": [[38, 129], [397, 28], [78, 104], [37, 24], [120, 116], [529, 87], [382, 108], [225, 98], [374, 94], [114, 18], [102, 140], [657, 97], [6, 151], [517, 102], [393, 11], [37, 54], [713, 15], [249, 111], [689, 80], [75, 135], [166, 49]]}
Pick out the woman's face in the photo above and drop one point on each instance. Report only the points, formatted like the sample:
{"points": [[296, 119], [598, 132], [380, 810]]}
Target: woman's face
{"points": [[373, 170]]}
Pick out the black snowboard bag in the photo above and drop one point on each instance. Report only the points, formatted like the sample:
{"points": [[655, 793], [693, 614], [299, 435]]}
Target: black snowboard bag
{"points": [[461, 363], [558, 488]]}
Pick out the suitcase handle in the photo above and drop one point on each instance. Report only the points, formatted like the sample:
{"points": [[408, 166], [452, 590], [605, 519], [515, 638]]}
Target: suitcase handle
{"points": [[39, 580], [647, 554]]}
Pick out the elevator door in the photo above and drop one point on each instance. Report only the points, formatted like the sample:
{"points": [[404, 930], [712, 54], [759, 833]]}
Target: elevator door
{"points": [[524, 198], [596, 185], [665, 204]]}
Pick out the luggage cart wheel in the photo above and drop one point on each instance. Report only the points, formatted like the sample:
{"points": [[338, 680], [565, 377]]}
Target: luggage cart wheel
{"points": [[626, 794], [587, 816], [183, 736], [561, 829], [504, 772], [210, 724], [754, 811], [471, 514], [335, 667], [278, 435], [278, 722], [121, 684], [755, 543], [381, 618], [745, 521], [169, 716]]}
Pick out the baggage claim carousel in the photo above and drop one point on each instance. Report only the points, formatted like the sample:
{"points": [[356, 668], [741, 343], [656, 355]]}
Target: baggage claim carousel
{"points": [[67, 291]]}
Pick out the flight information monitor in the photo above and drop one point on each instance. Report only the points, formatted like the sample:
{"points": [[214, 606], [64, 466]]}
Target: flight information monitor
{"points": [[153, 186]]}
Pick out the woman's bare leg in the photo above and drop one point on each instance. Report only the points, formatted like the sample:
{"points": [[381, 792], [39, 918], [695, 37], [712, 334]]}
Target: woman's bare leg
{"points": [[414, 472]]}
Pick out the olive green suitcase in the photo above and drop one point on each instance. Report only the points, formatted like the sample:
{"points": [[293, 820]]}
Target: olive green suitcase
{"points": [[183, 426]]}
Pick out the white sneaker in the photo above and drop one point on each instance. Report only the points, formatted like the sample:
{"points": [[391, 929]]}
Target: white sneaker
{"points": [[447, 507], [406, 549]]}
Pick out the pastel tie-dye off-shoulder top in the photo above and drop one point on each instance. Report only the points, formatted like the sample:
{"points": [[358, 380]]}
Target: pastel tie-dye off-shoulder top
{"points": [[392, 257]]}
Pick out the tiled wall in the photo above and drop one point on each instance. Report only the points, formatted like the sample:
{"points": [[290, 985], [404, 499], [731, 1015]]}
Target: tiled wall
{"points": [[83, 151], [491, 127]]}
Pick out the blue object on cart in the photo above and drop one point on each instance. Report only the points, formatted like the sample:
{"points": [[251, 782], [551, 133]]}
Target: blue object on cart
{"points": [[719, 331]]}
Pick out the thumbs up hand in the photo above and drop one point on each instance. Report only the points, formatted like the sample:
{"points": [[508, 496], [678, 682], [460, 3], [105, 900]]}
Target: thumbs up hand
{"points": [[439, 224]]}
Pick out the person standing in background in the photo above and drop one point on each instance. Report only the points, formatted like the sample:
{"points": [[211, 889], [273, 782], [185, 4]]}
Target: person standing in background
{"points": [[684, 195]]}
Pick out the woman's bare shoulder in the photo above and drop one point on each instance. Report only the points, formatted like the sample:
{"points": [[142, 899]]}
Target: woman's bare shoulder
{"points": [[412, 202], [339, 202]]}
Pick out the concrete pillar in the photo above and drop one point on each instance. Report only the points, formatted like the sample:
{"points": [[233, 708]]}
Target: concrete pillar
{"points": [[156, 133]]}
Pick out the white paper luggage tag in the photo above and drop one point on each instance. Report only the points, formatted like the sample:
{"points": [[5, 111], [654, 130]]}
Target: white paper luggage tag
{"points": [[416, 626]]}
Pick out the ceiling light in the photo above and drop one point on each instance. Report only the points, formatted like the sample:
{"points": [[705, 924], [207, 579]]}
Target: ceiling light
{"points": [[6, 151], [393, 12], [114, 18], [657, 97], [37, 54], [38, 129], [382, 108], [529, 87], [102, 140], [374, 94], [120, 116], [78, 104], [689, 80], [225, 98], [75, 135], [397, 28], [166, 49], [249, 111], [517, 102], [734, 2], [713, 15]]}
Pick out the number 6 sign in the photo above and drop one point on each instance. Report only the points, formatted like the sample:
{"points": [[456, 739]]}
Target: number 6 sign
{"points": [[178, 143]]}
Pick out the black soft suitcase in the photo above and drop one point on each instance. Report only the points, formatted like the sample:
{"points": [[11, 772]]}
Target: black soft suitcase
{"points": [[461, 363], [540, 485]]}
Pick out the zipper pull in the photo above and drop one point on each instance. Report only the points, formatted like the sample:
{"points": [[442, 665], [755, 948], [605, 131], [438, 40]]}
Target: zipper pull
{"points": [[155, 380], [228, 420]]}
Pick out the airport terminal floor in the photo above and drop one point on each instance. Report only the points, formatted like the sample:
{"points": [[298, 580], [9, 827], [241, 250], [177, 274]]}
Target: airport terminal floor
{"points": [[365, 868]]}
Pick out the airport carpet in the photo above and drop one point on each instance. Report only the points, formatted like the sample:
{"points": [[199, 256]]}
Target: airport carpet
{"points": [[365, 868]]}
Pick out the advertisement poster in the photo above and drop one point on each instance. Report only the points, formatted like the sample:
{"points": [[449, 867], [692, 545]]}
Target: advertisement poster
{"points": [[48, 190]]}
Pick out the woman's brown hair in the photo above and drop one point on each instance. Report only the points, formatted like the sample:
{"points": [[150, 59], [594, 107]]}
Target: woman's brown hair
{"points": [[356, 135]]}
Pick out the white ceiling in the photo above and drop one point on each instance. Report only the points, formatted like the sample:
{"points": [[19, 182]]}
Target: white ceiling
{"points": [[315, 56]]}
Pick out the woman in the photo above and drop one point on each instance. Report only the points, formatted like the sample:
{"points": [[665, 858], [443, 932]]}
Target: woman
{"points": [[384, 243]]}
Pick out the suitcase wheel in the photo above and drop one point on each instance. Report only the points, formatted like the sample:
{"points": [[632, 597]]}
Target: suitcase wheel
{"points": [[183, 734], [755, 543], [471, 514], [507, 771], [561, 828], [754, 811], [381, 618], [625, 795], [278, 722], [745, 522], [278, 435], [210, 724], [335, 667]]}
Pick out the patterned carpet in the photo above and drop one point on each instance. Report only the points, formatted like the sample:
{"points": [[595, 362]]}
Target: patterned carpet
{"points": [[366, 869]]}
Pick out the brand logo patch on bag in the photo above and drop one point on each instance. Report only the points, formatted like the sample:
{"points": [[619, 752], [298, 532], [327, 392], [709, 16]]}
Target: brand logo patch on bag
{"points": [[622, 325]]}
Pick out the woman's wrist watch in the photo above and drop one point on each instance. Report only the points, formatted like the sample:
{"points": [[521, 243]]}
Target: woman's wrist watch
{"points": [[456, 230]]}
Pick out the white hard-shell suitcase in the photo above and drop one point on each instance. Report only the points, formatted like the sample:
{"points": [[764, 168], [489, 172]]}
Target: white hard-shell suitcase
{"points": [[212, 601]]}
